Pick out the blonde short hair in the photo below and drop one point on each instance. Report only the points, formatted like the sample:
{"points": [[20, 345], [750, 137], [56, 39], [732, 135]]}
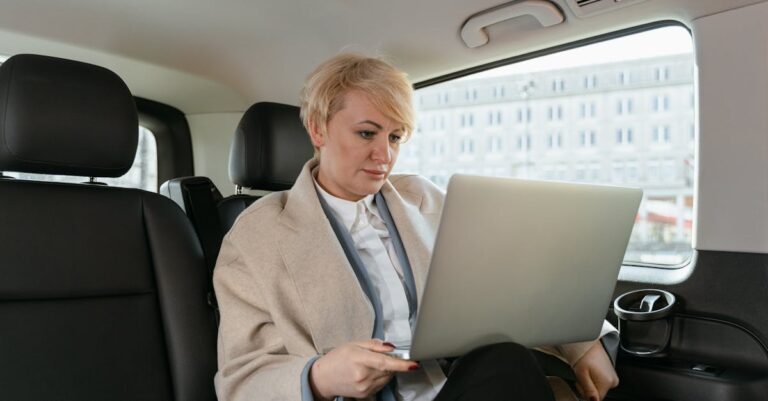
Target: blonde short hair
{"points": [[387, 88]]}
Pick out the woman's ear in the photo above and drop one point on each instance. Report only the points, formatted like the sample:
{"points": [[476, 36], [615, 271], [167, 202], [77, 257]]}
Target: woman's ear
{"points": [[316, 134]]}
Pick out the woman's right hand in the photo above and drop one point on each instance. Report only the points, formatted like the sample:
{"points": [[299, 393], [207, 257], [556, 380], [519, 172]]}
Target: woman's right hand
{"points": [[357, 370]]}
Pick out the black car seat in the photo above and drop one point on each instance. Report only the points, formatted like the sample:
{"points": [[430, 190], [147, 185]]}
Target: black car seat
{"points": [[268, 151], [102, 290]]}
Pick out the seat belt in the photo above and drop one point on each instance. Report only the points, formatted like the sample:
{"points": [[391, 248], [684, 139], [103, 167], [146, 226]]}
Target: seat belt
{"points": [[201, 200]]}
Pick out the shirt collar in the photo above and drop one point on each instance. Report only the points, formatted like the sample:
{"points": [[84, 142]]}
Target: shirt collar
{"points": [[345, 210]]}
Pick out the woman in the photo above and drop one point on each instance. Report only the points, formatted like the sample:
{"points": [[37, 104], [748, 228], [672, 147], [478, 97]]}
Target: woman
{"points": [[315, 284]]}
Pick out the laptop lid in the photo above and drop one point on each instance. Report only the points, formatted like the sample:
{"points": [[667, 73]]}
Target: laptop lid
{"points": [[531, 262]]}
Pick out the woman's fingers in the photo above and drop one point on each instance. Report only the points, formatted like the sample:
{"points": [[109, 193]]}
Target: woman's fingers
{"points": [[586, 386], [595, 373], [376, 345], [371, 385], [380, 375], [376, 359], [600, 386], [381, 381], [387, 363], [604, 380], [357, 369]]}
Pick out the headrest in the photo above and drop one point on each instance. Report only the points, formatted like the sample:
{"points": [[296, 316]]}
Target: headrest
{"points": [[270, 147], [65, 117]]}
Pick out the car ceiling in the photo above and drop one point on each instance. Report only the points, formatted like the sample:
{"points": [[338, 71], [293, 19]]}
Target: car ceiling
{"points": [[207, 56]]}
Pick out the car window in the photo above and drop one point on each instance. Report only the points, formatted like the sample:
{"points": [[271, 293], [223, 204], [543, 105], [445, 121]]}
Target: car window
{"points": [[618, 112], [142, 174]]}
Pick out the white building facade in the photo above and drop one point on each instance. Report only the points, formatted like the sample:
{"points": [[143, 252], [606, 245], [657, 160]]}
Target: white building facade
{"points": [[630, 123]]}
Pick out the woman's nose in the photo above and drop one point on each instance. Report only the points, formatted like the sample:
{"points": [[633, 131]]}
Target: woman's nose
{"points": [[381, 151]]}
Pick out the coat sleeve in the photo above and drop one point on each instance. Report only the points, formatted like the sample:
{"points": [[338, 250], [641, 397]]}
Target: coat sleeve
{"points": [[253, 361], [571, 353]]}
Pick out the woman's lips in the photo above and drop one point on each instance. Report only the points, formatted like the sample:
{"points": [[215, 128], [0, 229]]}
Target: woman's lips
{"points": [[375, 173]]}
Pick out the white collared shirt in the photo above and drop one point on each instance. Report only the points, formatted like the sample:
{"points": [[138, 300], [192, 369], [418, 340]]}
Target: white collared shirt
{"points": [[374, 245]]}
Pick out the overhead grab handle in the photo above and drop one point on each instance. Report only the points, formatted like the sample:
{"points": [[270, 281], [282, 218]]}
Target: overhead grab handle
{"points": [[473, 32]]}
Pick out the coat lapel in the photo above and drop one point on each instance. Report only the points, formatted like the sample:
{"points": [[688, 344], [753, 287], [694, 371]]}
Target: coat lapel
{"points": [[336, 308], [417, 235]]}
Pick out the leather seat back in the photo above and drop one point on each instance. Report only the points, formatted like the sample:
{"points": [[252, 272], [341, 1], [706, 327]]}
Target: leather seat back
{"points": [[102, 295], [269, 149], [231, 207]]}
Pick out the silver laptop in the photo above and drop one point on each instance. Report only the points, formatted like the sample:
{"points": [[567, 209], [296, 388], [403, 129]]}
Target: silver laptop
{"points": [[531, 262]]}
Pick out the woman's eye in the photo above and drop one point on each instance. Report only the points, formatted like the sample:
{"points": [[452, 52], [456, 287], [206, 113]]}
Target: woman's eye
{"points": [[395, 138], [366, 134]]}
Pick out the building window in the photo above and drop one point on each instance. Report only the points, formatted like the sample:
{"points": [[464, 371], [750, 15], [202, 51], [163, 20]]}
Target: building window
{"points": [[624, 136], [668, 171], [558, 85], [438, 148], [624, 107], [594, 171], [624, 77], [661, 73], [524, 115], [652, 171], [555, 140], [494, 144], [617, 171], [466, 120], [587, 110], [467, 146], [498, 92], [412, 150], [470, 94], [661, 135], [555, 113], [590, 81], [660, 103], [524, 142], [581, 172], [631, 171], [587, 138], [494, 118], [438, 122]]}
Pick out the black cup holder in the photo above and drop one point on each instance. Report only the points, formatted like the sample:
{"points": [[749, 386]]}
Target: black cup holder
{"points": [[645, 326]]}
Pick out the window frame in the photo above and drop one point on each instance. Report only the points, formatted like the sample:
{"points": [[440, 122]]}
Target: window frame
{"points": [[172, 136], [686, 266]]}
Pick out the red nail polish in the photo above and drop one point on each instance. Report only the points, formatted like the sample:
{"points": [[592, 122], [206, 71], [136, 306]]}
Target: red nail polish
{"points": [[413, 367], [390, 345]]}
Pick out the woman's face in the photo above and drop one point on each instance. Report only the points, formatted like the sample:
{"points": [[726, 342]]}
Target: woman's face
{"points": [[357, 150]]}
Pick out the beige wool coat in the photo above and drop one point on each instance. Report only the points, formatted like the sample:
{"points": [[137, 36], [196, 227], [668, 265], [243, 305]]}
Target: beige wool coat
{"points": [[287, 292]]}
